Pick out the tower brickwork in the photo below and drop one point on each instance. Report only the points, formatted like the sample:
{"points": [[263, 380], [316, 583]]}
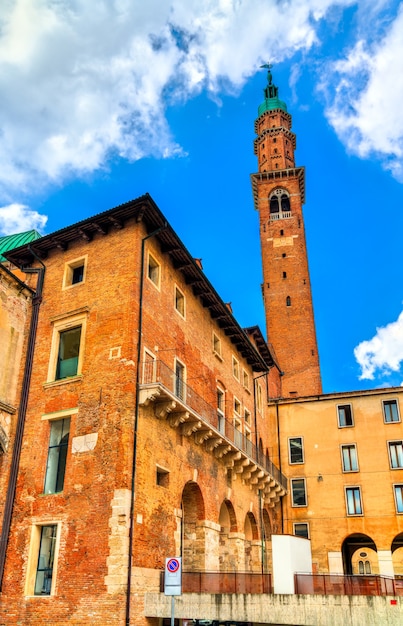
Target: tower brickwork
{"points": [[279, 193]]}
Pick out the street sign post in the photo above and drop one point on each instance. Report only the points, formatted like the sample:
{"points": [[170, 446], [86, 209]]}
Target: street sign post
{"points": [[173, 581]]}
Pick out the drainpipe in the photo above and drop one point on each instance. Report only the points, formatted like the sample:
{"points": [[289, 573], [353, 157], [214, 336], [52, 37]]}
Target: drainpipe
{"points": [[136, 421], [15, 461]]}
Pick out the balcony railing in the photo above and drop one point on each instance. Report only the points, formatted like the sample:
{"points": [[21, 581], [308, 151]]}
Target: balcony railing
{"points": [[339, 585], [187, 408], [281, 215], [223, 582]]}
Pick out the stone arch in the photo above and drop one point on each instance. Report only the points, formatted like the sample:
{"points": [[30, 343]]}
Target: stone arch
{"points": [[192, 532], [353, 549], [397, 554], [266, 540], [251, 544], [229, 545]]}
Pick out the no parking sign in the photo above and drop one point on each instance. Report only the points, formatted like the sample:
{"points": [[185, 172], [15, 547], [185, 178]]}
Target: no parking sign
{"points": [[173, 576]]}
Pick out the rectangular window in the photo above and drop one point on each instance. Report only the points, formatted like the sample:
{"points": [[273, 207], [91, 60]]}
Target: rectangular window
{"points": [[162, 478], [179, 302], [396, 454], [298, 492], [180, 387], [221, 410], [390, 411], [216, 345], [301, 529], [247, 416], [153, 270], [235, 367], [353, 501], [74, 272], [259, 401], [295, 449], [68, 353], [237, 407], [349, 458], [238, 437], [245, 379], [57, 455], [345, 415], [46, 558], [149, 367], [398, 491]]}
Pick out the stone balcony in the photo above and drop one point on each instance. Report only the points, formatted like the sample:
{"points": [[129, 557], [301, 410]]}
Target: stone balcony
{"points": [[183, 408]]}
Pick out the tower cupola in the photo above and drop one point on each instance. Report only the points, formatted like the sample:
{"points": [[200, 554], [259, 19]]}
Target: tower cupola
{"points": [[271, 99]]}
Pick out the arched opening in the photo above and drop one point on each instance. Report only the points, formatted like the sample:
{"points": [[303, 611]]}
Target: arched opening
{"points": [[193, 544], [279, 203], [288, 301], [229, 549], [356, 550], [397, 554], [252, 561]]}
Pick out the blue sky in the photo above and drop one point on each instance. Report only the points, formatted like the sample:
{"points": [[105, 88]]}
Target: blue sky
{"points": [[102, 105]]}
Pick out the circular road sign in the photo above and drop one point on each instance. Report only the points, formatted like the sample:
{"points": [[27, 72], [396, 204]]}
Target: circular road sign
{"points": [[173, 565]]}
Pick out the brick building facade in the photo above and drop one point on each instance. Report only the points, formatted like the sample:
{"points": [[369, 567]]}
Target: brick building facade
{"points": [[155, 426]]}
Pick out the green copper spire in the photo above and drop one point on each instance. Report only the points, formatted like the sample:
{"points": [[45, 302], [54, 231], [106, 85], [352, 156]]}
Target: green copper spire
{"points": [[271, 99]]}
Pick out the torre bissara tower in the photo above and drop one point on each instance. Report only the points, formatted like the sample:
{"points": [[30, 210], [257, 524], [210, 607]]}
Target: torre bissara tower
{"points": [[279, 193]]}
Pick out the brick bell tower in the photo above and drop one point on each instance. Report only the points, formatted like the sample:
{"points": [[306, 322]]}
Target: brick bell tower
{"points": [[279, 193]]}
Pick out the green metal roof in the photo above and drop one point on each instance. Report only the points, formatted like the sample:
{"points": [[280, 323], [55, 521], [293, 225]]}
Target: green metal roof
{"points": [[9, 242], [271, 99]]}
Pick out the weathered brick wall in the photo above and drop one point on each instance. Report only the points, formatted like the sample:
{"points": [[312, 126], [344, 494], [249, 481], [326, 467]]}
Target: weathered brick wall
{"points": [[93, 510]]}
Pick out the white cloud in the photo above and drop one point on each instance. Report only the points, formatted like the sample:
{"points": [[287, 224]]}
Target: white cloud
{"points": [[18, 218], [383, 353], [82, 82], [365, 92]]}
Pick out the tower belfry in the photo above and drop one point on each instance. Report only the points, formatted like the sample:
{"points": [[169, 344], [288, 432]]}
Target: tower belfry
{"points": [[279, 193]]}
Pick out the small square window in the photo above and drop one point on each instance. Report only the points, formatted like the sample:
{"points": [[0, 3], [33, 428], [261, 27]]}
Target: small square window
{"points": [[237, 406], [396, 454], [153, 270], [216, 345], [247, 416], [296, 451], [179, 302], [390, 411], [74, 272], [353, 501], [298, 492], [235, 367], [57, 455], [398, 491], [301, 529], [162, 477], [349, 458], [345, 415]]}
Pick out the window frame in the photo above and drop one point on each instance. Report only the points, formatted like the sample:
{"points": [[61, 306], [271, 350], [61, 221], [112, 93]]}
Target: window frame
{"points": [[350, 488], [235, 368], [180, 380], [179, 292], [397, 455], [343, 406], [397, 503], [153, 264], [245, 380], [62, 453], [293, 503], [60, 325], [291, 462], [306, 524], [389, 402], [343, 465], [152, 361], [68, 273], [217, 347], [34, 554]]}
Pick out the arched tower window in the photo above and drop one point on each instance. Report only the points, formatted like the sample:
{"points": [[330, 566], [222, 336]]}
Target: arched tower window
{"points": [[280, 207], [288, 301]]}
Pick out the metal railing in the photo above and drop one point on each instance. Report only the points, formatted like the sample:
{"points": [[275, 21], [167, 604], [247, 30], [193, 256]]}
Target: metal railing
{"points": [[339, 584], [157, 372], [223, 582]]}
